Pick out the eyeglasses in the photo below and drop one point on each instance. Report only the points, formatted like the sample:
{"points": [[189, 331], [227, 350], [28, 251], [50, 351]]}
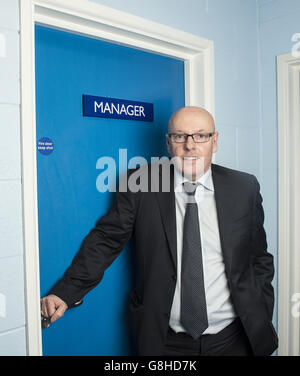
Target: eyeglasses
{"points": [[199, 138]]}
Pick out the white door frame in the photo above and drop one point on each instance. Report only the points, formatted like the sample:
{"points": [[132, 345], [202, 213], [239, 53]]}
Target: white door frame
{"points": [[97, 21], [288, 69]]}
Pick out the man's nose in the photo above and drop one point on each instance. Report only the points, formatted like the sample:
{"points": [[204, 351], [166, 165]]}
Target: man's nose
{"points": [[190, 144]]}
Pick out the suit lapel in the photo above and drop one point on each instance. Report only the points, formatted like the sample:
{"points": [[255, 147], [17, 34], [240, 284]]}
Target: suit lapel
{"points": [[166, 201], [225, 202]]}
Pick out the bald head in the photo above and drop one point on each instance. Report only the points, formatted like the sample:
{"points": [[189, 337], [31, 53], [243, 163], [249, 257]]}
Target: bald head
{"points": [[194, 116], [192, 158]]}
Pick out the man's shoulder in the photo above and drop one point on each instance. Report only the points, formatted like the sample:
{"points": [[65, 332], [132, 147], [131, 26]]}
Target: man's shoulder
{"points": [[232, 174]]}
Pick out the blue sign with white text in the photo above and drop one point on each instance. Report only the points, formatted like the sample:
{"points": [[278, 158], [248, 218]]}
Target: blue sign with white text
{"points": [[113, 108], [45, 146]]}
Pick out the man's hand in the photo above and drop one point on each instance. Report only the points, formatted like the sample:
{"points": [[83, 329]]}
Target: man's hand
{"points": [[54, 307]]}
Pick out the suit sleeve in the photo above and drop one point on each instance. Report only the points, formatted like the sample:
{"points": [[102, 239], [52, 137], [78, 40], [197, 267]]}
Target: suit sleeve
{"points": [[262, 260], [99, 249]]}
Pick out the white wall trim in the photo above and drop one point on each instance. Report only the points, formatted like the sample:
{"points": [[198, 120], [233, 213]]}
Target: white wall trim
{"points": [[29, 181], [97, 21], [288, 70]]}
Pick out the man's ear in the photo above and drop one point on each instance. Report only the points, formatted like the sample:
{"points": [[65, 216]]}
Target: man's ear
{"points": [[168, 142], [215, 142]]}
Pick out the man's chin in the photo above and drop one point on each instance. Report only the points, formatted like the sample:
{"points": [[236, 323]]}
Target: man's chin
{"points": [[192, 170], [189, 168], [191, 174]]}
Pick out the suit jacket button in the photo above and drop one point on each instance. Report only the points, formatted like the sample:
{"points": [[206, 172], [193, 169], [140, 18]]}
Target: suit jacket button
{"points": [[174, 277]]}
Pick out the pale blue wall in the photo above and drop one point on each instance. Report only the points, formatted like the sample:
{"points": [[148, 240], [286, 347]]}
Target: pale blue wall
{"points": [[247, 34], [278, 21], [12, 316]]}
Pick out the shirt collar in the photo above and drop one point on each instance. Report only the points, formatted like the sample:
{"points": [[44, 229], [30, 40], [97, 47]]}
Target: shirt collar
{"points": [[205, 180]]}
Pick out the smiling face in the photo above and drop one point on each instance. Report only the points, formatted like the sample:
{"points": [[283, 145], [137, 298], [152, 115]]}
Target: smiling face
{"points": [[192, 159]]}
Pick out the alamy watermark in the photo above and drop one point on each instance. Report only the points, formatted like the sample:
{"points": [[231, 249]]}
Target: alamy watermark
{"points": [[144, 177], [2, 305], [296, 46], [295, 311]]}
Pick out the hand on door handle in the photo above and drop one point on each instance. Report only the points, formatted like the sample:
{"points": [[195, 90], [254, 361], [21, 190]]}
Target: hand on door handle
{"points": [[52, 309]]}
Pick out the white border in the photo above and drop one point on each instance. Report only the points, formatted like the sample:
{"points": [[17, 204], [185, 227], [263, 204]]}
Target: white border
{"points": [[94, 20], [288, 70]]}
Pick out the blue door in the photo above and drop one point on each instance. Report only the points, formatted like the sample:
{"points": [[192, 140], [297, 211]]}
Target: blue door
{"points": [[68, 148]]}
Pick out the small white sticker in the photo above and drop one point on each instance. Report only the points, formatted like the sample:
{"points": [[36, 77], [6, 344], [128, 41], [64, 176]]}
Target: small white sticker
{"points": [[2, 45]]}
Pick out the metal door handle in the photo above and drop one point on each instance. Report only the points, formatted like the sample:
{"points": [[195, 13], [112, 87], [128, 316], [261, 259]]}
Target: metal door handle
{"points": [[46, 321]]}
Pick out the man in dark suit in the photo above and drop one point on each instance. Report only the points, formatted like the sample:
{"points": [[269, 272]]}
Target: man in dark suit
{"points": [[203, 278]]}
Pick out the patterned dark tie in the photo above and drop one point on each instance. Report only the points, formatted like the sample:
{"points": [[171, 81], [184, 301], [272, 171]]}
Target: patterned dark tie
{"points": [[193, 302]]}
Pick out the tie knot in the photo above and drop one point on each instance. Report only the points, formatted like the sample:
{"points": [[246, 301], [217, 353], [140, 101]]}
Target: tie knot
{"points": [[190, 188]]}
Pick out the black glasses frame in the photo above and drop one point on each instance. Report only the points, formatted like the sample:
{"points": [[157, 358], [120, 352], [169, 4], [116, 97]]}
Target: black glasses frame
{"points": [[190, 135]]}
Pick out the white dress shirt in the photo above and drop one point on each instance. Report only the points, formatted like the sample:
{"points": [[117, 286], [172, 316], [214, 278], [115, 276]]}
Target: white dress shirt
{"points": [[220, 310]]}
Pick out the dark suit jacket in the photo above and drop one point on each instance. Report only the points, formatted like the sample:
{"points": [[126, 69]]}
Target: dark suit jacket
{"points": [[149, 218]]}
